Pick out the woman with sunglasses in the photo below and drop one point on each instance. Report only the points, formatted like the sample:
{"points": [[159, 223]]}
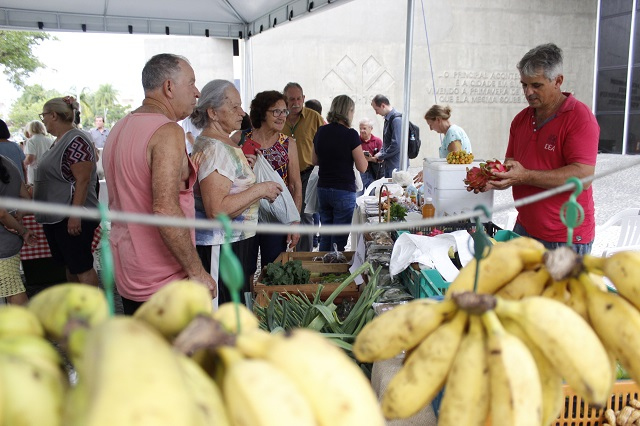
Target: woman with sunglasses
{"points": [[66, 174], [268, 113]]}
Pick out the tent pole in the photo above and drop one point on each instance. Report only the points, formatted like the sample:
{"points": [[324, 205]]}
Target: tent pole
{"points": [[404, 146]]}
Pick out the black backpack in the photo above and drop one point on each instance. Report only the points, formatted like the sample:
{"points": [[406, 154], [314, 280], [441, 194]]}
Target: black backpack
{"points": [[414, 139]]}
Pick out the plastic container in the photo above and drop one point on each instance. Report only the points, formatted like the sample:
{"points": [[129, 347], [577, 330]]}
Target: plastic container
{"points": [[428, 209]]}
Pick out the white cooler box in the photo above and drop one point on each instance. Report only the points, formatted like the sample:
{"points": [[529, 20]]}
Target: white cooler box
{"points": [[444, 183]]}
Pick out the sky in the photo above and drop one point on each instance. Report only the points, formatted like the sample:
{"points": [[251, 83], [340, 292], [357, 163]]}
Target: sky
{"points": [[68, 59]]}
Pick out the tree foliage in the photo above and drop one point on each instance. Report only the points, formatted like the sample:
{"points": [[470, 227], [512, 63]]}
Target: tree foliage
{"points": [[102, 102], [16, 57], [27, 107]]}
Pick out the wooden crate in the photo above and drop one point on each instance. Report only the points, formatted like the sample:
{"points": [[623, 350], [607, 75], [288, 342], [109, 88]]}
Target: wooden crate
{"points": [[576, 412], [264, 292]]}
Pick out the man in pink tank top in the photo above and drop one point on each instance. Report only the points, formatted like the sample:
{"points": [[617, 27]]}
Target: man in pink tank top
{"points": [[148, 171]]}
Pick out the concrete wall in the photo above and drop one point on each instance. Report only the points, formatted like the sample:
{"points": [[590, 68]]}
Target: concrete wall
{"points": [[358, 49]]}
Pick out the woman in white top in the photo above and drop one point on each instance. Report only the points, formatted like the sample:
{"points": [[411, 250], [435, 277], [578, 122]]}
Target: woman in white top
{"points": [[37, 144], [455, 139], [226, 183]]}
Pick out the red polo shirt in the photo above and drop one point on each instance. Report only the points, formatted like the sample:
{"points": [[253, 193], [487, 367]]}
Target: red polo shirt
{"points": [[569, 137], [374, 142]]}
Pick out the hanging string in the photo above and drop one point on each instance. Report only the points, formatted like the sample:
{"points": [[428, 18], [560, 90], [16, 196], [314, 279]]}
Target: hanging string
{"points": [[433, 79], [158, 220]]}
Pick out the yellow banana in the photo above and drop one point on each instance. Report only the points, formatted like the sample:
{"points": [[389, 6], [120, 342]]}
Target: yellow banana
{"points": [[568, 341], [578, 298], [336, 388], [424, 371], [516, 393], [58, 304], [466, 394], [226, 314], [617, 323], [32, 397], [529, 282], [550, 380], [130, 376], [623, 269], [257, 393], [35, 350], [593, 264], [173, 307], [401, 328], [18, 320], [204, 392], [504, 262], [558, 291], [253, 343]]}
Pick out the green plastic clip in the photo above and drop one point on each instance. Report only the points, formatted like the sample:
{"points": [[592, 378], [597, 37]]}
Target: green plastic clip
{"points": [[106, 259], [571, 212], [481, 243], [230, 268]]}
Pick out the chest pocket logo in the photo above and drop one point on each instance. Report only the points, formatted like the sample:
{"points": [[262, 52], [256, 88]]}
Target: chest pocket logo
{"points": [[550, 145]]}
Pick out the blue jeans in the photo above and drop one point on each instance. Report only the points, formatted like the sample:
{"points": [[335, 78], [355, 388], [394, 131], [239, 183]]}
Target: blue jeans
{"points": [[578, 248], [336, 208], [367, 179]]}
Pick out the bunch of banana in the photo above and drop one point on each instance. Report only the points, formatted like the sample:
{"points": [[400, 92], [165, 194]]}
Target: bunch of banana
{"points": [[471, 343], [294, 378], [33, 382], [130, 375]]}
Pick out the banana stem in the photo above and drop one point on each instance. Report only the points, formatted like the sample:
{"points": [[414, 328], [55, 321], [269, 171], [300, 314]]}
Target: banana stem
{"points": [[562, 263], [473, 302]]}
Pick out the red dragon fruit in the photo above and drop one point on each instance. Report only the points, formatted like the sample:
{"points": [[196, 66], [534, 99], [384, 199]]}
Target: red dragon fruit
{"points": [[476, 179], [491, 167]]}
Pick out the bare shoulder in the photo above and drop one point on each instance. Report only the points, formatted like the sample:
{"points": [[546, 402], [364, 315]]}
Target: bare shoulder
{"points": [[168, 134]]}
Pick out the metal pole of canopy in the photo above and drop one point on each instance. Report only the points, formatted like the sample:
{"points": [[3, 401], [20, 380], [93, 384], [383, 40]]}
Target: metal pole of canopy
{"points": [[406, 108]]}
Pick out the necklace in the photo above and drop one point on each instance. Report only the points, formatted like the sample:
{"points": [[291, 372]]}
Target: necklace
{"points": [[293, 128]]}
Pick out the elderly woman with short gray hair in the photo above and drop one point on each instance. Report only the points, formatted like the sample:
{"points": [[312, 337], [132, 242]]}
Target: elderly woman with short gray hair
{"points": [[37, 144], [226, 182]]}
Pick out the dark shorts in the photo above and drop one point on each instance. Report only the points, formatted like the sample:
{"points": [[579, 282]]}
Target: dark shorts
{"points": [[74, 252]]}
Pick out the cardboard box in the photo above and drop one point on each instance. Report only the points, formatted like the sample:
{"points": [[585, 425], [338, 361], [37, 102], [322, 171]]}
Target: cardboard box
{"points": [[444, 183], [263, 292]]}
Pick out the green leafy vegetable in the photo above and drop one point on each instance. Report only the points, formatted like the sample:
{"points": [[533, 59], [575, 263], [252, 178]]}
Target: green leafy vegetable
{"points": [[291, 272]]}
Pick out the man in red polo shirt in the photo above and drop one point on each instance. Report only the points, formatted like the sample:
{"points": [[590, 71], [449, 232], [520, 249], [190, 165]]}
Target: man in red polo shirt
{"points": [[553, 139]]}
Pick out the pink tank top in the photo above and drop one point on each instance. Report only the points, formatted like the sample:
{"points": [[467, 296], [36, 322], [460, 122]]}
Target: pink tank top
{"points": [[143, 263]]}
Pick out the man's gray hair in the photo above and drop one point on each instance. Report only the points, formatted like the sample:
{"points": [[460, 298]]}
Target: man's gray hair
{"points": [[160, 68], [213, 95], [291, 85], [367, 122], [546, 57]]}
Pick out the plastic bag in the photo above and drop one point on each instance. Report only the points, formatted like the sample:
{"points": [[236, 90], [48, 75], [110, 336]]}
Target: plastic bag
{"points": [[334, 256], [283, 209], [311, 196]]}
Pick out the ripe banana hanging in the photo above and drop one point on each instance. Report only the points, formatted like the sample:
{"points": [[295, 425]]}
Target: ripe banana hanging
{"points": [[617, 323], [338, 391], [173, 307], [466, 393], [227, 315], [122, 358], [258, 393], [424, 371], [516, 393], [504, 262], [30, 395], [527, 283], [34, 350], [401, 329], [550, 380], [56, 305], [568, 341], [623, 269], [205, 393], [18, 320]]}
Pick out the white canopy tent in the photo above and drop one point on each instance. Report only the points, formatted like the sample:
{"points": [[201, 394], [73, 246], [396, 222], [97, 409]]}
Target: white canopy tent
{"points": [[231, 19]]}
